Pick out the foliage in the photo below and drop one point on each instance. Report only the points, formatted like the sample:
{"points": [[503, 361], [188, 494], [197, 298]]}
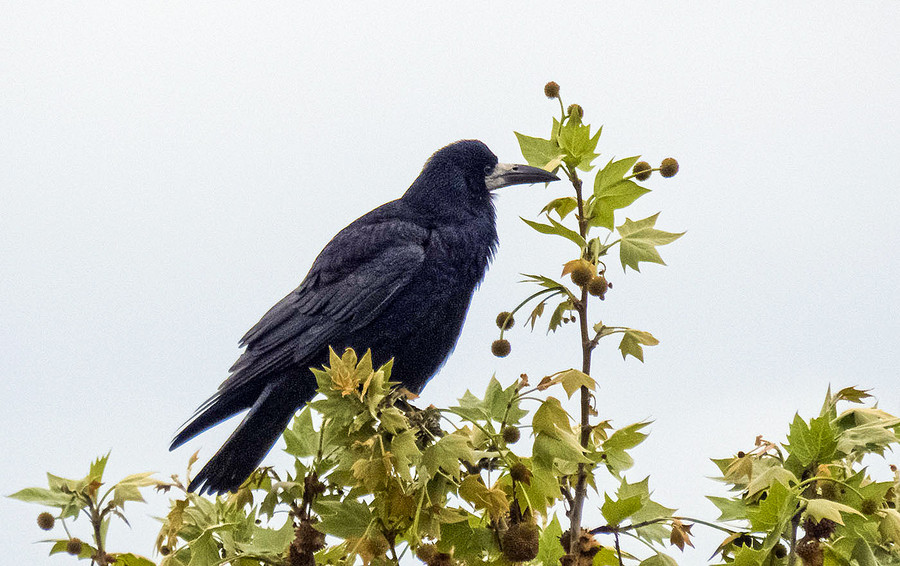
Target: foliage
{"points": [[503, 475], [812, 497]]}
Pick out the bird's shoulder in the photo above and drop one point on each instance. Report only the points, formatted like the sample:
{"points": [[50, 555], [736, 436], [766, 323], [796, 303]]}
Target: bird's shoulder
{"points": [[388, 229], [361, 268]]}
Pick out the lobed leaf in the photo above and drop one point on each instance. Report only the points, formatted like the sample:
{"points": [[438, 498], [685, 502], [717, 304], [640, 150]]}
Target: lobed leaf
{"points": [[639, 240]]}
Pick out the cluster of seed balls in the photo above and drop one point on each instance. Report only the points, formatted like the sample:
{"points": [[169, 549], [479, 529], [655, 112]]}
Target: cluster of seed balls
{"points": [[501, 347], [583, 276], [668, 168]]}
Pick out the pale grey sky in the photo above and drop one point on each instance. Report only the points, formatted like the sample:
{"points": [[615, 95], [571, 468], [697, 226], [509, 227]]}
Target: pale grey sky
{"points": [[170, 170]]}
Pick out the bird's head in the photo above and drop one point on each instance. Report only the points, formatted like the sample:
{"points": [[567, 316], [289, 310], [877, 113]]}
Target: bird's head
{"points": [[463, 174]]}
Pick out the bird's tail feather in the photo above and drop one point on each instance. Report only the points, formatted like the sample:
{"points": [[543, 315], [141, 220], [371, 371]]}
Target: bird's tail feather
{"points": [[249, 443], [224, 404]]}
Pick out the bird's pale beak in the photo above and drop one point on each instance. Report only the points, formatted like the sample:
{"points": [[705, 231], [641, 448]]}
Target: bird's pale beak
{"points": [[506, 174]]}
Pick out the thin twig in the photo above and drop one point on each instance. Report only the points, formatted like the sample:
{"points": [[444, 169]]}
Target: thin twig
{"points": [[586, 350]]}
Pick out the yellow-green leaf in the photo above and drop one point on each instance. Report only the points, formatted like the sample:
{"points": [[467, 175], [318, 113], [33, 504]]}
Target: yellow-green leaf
{"points": [[639, 241]]}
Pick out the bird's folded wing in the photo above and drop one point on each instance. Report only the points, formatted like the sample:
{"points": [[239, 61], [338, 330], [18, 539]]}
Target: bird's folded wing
{"points": [[351, 282]]}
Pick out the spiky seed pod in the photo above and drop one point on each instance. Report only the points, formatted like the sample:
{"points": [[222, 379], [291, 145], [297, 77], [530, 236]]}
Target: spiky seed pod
{"points": [[819, 529], [505, 320], [511, 434], [501, 348], [575, 111], [313, 486], [780, 551], [307, 539], [520, 542], [810, 552], [642, 170], [582, 274], [520, 473], [74, 546], [165, 550], [428, 554], [828, 489], [669, 167], [869, 506], [46, 521], [551, 90], [598, 286]]}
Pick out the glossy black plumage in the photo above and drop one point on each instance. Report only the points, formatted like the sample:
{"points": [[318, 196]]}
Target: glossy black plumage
{"points": [[398, 281]]}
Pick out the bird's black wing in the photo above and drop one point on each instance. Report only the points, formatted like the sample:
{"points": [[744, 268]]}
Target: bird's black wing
{"points": [[350, 284]]}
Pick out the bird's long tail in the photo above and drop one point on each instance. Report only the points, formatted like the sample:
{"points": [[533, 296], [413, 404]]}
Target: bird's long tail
{"points": [[249, 443]]}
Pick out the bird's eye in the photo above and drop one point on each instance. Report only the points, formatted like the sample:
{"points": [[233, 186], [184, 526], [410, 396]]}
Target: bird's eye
{"points": [[488, 169]]}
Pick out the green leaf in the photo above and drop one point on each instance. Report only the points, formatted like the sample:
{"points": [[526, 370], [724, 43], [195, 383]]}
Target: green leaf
{"points": [[501, 403], [467, 543], [344, 519], [393, 420], [862, 554], [270, 541], [612, 192], [544, 282], [446, 453], [557, 229], [573, 380], [633, 341], [492, 499], [820, 509], [471, 408], [748, 556], [87, 550], [128, 489], [607, 556], [659, 559], [562, 206], [613, 173], [556, 318], [539, 152], [775, 510], [575, 139], [97, 467], [852, 394], [561, 446], [639, 241], [731, 509], [406, 453], [550, 417], [204, 550], [815, 442], [651, 510], [617, 511], [616, 446], [129, 559], [872, 437], [41, 496], [769, 476], [889, 527], [550, 550], [301, 438]]}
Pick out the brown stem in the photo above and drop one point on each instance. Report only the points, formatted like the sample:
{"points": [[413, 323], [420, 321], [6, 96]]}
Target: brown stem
{"points": [[586, 350], [97, 523], [619, 550], [795, 523]]}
